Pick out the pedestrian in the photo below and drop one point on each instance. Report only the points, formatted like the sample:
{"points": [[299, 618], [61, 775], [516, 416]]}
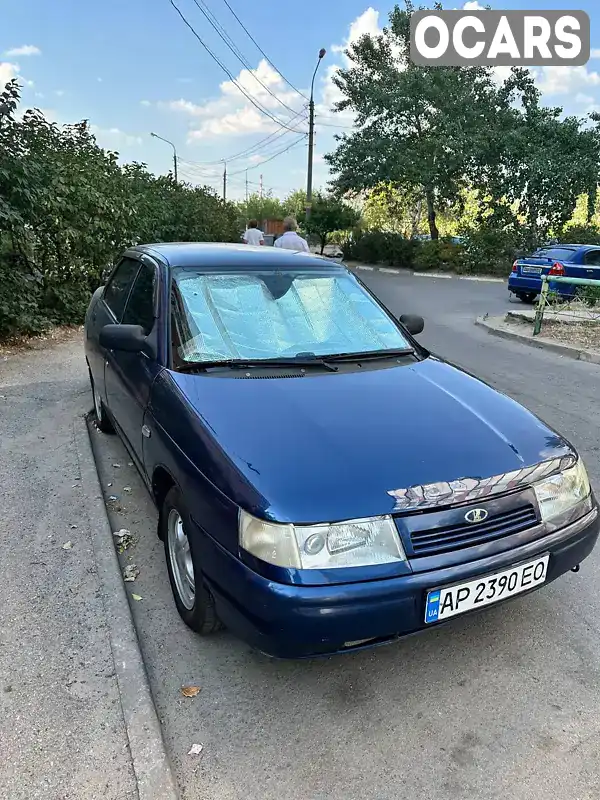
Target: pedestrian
{"points": [[253, 234], [289, 239]]}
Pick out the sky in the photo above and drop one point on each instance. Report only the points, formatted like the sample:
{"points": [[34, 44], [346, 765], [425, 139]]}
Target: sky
{"points": [[132, 67]]}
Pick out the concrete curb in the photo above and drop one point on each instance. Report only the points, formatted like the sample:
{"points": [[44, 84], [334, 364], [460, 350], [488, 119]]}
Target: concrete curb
{"points": [[151, 765], [443, 275], [493, 325]]}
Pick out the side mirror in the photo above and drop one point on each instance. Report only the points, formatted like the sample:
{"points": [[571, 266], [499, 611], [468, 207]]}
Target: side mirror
{"points": [[125, 338], [412, 323]]}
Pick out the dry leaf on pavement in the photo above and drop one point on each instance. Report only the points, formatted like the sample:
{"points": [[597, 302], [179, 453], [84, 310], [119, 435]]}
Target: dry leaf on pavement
{"points": [[136, 597], [195, 750], [130, 573], [67, 546], [190, 691]]}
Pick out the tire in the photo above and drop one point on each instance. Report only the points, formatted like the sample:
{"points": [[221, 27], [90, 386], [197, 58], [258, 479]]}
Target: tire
{"points": [[194, 602], [102, 420]]}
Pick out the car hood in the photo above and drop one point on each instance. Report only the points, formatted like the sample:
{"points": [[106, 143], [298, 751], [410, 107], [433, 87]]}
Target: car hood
{"points": [[329, 447]]}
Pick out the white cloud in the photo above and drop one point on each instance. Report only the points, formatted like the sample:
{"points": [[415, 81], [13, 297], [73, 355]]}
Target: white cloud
{"points": [[232, 114], [8, 71], [595, 52], [366, 23], [59, 92], [554, 81], [114, 137], [24, 50], [473, 5], [145, 103], [587, 99]]}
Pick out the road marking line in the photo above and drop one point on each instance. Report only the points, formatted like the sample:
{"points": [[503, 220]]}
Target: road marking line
{"points": [[432, 275], [486, 280], [392, 271], [370, 269]]}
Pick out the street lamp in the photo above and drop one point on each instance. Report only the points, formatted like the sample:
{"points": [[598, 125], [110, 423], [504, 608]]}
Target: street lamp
{"points": [[156, 136], [311, 134]]}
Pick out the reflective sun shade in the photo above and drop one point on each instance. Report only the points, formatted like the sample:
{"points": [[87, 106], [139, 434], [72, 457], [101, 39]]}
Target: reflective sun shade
{"points": [[266, 315]]}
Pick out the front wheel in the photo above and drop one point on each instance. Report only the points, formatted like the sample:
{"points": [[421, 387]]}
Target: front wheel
{"points": [[102, 420], [193, 600]]}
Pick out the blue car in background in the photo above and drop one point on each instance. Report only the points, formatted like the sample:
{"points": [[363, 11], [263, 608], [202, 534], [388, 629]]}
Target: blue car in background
{"points": [[323, 482], [560, 260]]}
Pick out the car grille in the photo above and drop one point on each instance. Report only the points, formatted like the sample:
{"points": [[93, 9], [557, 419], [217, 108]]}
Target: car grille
{"points": [[455, 537]]}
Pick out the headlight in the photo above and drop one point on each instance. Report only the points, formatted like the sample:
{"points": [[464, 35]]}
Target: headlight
{"points": [[358, 543], [562, 492]]}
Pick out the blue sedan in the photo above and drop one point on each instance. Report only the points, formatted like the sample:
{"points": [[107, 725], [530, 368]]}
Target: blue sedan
{"points": [[561, 261], [323, 482]]}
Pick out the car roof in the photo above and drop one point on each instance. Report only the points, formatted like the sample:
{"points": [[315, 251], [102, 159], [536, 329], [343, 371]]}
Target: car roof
{"points": [[224, 255], [570, 246]]}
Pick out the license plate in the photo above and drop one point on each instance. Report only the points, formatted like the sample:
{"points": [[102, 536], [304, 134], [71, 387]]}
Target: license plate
{"points": [[462, 597], [531, 270]]}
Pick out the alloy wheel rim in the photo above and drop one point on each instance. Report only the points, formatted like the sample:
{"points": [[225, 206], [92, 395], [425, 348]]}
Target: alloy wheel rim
{"points": [[180, 557]]}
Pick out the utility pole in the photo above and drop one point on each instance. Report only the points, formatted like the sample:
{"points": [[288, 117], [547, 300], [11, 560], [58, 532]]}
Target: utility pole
{"points": [[156, 136], [246, 185], [260, 190], [224, 180], [311, 135]]}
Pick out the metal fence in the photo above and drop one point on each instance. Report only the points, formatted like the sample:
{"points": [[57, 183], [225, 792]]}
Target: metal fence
{"points": [[581, 306]]}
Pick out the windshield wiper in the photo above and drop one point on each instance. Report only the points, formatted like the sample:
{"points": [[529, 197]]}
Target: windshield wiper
{"points": [[370, 354], [305, 360]]}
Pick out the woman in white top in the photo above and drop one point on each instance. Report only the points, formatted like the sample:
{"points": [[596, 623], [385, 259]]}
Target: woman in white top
{"points": [[253, 235], [290, 240]]}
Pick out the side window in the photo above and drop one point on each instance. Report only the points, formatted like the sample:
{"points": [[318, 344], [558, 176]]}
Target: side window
{"points": [[140, 306], [117, 289], [180, 332], [592, 258]]}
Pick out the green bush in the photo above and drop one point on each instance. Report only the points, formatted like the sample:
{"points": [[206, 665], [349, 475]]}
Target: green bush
{"points": [[438, 255], [590, 295], [491, 251], [580, 234], [68, 209], [377, 247]]}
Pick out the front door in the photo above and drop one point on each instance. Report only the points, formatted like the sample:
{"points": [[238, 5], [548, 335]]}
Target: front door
{"points": [[129, 376]]}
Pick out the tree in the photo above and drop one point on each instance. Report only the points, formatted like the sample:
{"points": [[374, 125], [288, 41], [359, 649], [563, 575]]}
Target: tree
{"points": [[536, 161], [416, 125], [390, 209], [295, 204], [328, 214], [260, 208]]}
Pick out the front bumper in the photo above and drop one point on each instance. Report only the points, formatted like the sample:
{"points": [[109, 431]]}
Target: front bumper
{"points": [[287, 621]]}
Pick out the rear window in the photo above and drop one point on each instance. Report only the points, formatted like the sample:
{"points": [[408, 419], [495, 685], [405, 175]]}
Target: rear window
{"points": [[556, 253]]}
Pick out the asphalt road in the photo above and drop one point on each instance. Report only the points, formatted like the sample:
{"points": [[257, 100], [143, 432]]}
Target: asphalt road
{"points": [[502, 704]]}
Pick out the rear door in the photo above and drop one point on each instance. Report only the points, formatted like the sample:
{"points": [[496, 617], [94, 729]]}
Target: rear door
{"points": [[592, 265]]}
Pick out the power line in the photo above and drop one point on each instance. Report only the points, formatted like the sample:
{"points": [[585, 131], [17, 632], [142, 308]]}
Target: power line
{"points": [[229, 74], [222, 33], [250, 150], [280, 153], [245, 29]]}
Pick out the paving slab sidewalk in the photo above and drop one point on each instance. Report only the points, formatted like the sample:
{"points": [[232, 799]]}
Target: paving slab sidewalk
{"points": [[70, 726]]}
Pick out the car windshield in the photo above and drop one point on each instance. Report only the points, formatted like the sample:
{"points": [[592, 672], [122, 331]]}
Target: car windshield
{"points": [[290, 313], [556, 253]]}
